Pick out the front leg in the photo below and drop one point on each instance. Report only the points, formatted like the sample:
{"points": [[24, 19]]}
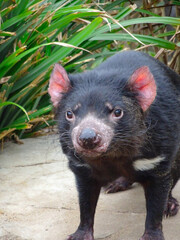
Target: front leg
{"points": [[156, 193], [89, 190]]}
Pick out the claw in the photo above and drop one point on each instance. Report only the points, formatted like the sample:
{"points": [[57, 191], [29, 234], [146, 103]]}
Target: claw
{"points": [[172, 207]]}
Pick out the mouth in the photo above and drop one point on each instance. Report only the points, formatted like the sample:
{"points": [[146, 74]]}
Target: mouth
{"points": [[91, 153]]}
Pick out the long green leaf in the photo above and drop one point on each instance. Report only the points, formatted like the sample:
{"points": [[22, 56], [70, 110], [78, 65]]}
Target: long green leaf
{"points": [[67, 19], [15, 20], [145, 39], [142, 20], [15, 104], [34, 115]]}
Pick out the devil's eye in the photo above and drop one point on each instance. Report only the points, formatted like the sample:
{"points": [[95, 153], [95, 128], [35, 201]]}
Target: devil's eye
{"points": [[69, 115], [118, 113]]}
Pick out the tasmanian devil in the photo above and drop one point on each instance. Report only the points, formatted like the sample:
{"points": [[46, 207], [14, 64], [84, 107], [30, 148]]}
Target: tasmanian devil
{"points": [[121, 119]]}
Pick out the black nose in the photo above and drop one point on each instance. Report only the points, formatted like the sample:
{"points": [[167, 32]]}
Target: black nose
{"points": [[89, 139]]}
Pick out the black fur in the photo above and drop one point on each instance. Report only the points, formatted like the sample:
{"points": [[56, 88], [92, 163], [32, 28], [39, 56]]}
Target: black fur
{"points": [[138, 135]]}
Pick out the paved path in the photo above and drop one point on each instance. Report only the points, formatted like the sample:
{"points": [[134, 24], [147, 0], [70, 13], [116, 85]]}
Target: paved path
{"points": [[38, 199]]}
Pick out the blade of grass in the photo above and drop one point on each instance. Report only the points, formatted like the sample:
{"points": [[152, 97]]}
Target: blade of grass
{"points": [[15, 20], [130, 22], [126, 37], [15, 104]]}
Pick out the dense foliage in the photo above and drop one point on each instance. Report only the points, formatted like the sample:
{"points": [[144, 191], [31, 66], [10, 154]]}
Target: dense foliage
{"points": [[35, 34]]}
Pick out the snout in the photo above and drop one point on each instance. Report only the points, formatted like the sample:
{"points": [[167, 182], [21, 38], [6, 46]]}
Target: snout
{"points": [[89, 139]]}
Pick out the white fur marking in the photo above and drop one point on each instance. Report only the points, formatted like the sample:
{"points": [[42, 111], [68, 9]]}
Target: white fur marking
{"points": [[147, 164]]}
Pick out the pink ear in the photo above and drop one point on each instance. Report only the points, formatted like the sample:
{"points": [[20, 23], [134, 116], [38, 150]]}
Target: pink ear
{"points": [[142, 82], [59, 83]]}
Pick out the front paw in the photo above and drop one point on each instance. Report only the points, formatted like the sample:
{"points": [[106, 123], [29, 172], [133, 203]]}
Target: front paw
{"points": [[153, 235], [81, 235]]}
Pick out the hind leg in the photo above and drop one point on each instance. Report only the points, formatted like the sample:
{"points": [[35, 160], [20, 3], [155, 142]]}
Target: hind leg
{"points": [[172, 203], [120, 184], [172, 207]]}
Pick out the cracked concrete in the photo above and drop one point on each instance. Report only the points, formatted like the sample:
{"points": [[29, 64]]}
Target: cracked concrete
{"points": [[38, 199]]}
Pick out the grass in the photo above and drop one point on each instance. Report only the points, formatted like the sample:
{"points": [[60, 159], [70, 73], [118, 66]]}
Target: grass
{"points": [[80, 35]]}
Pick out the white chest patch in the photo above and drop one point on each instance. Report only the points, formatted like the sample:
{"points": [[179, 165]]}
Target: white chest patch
{"points": [[147, 164]]}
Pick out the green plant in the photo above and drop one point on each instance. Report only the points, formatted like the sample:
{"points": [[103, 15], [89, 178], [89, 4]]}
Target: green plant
{"points": [[80, 34]]}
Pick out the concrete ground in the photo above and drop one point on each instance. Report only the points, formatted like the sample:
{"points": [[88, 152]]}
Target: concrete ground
{"points": [[38, 199]]}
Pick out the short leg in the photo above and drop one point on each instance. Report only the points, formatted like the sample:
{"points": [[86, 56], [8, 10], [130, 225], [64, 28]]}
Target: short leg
{"points": [[172, 207], [120, 184], [156, 193], [89, 191]]}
